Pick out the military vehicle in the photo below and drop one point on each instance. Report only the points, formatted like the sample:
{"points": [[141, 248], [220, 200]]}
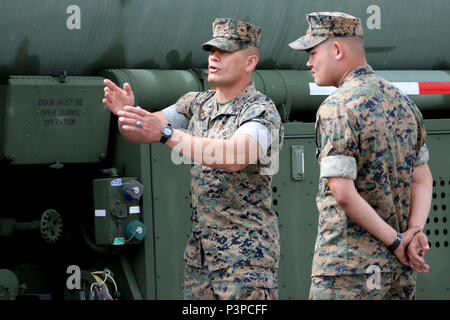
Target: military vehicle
{"points": [[88, 215]]}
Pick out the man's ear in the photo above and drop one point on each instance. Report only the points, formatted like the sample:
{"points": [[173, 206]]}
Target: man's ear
{"points": [[252, 61], [338, 50]]}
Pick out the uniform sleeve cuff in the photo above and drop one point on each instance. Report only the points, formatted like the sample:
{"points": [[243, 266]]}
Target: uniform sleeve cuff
{"points": [[257, 131], [176, 119], [338, 167], [423, 156]]}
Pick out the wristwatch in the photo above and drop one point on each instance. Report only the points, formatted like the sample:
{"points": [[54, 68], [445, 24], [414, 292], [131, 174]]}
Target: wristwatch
{"points": [[166, 133], [396, 242]]}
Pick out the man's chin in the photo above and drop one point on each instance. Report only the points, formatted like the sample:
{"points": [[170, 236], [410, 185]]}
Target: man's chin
{"points": [[322, 83], [213, 80]]}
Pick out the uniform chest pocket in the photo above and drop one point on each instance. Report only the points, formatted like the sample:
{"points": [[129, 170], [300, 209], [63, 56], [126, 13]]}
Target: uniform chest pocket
{"points": [[223, 126]]}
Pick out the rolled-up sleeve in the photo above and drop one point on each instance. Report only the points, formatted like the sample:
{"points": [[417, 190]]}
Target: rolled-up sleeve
{"points": [[258, 132], [337, 142], [338, 167], [423, 156], [176, 119], [422, 153]]}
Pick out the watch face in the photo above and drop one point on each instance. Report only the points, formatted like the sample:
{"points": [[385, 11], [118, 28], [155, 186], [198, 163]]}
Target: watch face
{"points": [[167, 131]]}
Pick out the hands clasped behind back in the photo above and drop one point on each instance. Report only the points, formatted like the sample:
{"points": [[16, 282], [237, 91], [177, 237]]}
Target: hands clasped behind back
{"points": [[416, 252]]}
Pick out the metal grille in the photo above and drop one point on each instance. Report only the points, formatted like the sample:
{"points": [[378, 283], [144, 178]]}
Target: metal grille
{"points": [[437, 226]]}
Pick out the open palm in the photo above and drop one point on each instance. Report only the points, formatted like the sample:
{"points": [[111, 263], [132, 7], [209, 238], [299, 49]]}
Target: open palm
{"points": [[116, 98]]}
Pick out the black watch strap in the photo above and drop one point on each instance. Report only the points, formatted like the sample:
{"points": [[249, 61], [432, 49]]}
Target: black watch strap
{"points": [[396, 242], [165, 137]]}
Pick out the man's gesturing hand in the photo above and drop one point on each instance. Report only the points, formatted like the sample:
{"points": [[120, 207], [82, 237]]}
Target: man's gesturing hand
{"points": [[116, 98]]}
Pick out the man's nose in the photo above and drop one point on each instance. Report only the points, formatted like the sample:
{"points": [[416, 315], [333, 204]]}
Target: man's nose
{"points": [[308, 63], [214, 56]]}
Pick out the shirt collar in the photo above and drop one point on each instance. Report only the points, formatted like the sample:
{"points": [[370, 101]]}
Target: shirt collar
{"points": [[359, 71], [233, 106]]}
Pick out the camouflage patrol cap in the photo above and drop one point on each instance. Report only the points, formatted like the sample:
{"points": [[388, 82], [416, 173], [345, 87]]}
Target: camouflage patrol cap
{"points": [[324, 25], [233, 35]]}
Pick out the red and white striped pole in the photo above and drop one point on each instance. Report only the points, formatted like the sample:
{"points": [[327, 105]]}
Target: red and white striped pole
{"points": [[434, 87]]}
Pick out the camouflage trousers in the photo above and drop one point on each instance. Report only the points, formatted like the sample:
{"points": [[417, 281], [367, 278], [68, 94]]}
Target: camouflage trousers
{"points": [[377, 286], [232, 283]]}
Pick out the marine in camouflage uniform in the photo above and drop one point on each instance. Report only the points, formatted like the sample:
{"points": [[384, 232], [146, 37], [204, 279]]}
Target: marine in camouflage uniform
{"points": [[372, 133], [232, 223], [234, 248], [233, 251]]}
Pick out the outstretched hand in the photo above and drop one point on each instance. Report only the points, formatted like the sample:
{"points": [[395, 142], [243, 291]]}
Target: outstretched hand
{"points": [[116, 98], [147, 131]]}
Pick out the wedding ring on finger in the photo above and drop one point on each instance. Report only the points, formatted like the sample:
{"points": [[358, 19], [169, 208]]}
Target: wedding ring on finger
{"points": [[138, 124]]}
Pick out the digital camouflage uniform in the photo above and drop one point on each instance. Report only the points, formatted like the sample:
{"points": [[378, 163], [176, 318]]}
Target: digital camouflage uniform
{"points": [[235, 237], [371, 132]]}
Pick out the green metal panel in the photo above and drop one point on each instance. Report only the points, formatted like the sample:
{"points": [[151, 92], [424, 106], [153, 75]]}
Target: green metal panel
{"points": [[436, 283], [43, 37], [294, 201], [172, 214], [48, 120]]}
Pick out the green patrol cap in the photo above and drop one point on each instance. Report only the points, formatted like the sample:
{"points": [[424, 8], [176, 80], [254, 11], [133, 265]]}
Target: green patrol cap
{"points": [[233, 35], [324, 25]]}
